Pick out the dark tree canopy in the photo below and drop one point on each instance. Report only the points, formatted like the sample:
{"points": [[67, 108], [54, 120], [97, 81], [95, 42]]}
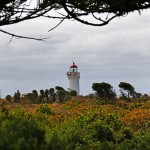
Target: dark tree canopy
{"points": [[14, 11], [104, 90], [102, 11], [127, 87]]}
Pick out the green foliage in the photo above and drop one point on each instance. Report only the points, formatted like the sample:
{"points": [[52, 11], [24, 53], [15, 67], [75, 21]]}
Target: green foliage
{"points": [[52, 94], [59, 88], [80, 124], [51, 90], [138, 142], [46, 94], [61, 94], [20, 133], [103, 132], [35, 96], [35, 93], [31, 97], [73, 93], [8, 98], [44, 109], [126, 87], [42, 93], [104, 90], [17, 96]]}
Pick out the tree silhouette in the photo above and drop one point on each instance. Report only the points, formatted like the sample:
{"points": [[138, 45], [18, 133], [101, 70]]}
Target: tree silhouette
{"points": [[104, 90], [52, 94], [8, 98], [17, 96], [127, 87], [73, 93], [60, 93], [102, 11]]}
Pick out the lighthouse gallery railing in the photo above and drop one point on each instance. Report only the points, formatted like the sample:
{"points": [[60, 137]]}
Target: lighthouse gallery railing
{"points": [[77, 74]]}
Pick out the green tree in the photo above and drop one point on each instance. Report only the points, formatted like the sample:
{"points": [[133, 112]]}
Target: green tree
{"points": [[42, 95], [32, 97], [19, 132], [17, 96], [51, 91], [35, 95], [127, 90], [29, 96], [46, 93], [60, 93], [52, 94], [58, 88], [8, 98], [104, 90], [73, 93], [45, 109]]}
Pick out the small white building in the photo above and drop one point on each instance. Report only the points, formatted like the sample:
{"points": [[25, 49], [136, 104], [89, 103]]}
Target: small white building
{"points": [[73, 78]]}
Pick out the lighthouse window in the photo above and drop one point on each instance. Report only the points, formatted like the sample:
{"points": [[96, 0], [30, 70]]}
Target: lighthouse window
{"points": [[73, 70]]}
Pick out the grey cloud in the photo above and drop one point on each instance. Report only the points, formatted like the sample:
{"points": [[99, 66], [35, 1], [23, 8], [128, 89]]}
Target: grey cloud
{"points": [[117, 52]]}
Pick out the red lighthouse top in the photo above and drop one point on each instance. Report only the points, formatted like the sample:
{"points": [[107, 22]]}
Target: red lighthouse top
{"points": [[73, 65], [73, 71]]}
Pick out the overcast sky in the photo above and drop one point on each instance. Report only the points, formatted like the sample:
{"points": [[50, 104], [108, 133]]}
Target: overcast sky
{"points": [[117, 52]]}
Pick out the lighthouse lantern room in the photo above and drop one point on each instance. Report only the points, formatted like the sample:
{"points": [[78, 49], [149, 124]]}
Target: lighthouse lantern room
{"points": [[73, 78]]}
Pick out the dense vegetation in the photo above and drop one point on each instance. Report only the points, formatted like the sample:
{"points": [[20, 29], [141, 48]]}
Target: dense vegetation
{"points": [[81, 123]]}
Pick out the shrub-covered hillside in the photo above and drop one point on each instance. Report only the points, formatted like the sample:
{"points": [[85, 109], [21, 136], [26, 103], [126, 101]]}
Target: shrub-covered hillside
{"points": [[80, 124]]}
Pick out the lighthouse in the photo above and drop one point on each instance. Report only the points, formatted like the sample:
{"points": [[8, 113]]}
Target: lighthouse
{"points": [[73, 78]]}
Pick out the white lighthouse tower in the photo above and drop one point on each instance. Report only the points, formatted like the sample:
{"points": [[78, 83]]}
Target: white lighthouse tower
{"points": [[73, 77]]}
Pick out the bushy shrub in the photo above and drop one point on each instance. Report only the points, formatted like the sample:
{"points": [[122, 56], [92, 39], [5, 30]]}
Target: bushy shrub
{"points": [[45, 109], [80, 124], [65, 137], [20, 133], [103, 132], [138, 142]]}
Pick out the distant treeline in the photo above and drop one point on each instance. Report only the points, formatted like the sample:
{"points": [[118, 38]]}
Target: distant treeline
{"points": [[102, 90], [43, 96]]}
